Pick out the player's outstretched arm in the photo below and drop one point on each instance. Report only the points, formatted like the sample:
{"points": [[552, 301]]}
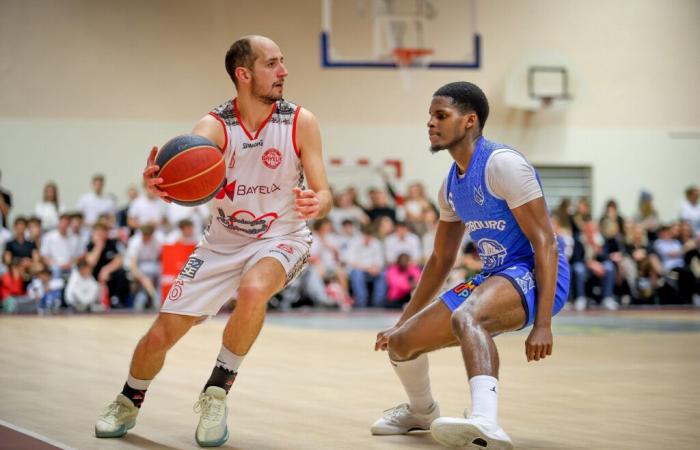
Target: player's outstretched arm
{"points": [[316, 201], [534, 221]]}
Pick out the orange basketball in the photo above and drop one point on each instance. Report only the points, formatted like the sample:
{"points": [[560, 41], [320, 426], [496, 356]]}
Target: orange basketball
{"points": [[192, 168]]}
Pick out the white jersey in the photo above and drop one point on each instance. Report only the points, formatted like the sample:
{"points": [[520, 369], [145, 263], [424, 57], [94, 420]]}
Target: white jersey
{"points": [[263, 167]]}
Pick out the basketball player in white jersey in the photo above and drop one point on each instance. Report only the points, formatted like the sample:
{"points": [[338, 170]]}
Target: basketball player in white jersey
{"points": [[257, 241]]}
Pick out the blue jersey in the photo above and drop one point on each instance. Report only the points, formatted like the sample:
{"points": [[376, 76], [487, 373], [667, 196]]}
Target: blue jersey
{"points": [[488, 219]]}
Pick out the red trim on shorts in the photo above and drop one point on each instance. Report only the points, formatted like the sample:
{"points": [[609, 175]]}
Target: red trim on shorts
{"points": [[294, 132], [221, 121], [257, 133]]}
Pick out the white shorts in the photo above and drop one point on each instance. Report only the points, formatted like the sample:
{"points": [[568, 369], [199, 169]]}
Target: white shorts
{"points": [[210, 278]]}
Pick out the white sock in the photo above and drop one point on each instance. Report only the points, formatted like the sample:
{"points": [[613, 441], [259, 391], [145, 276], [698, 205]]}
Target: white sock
{"points": [[229, 360], [139, 385], [484, 390], [414, 377]]}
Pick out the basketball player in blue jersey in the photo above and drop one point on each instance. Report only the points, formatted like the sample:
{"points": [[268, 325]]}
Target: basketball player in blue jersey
{"points": [[494, 194], [256, 243]]}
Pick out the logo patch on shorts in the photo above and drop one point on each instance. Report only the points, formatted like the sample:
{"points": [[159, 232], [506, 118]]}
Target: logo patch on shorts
{"points": [[465, 289], [526, 283], [191, 268], [286, 248]]}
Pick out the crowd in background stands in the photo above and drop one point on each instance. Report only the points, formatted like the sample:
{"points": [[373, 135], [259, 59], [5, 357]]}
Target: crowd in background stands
{"points": [[99, 255]]}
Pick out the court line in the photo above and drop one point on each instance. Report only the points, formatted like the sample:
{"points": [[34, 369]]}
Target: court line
{"points": [[36, 435]]}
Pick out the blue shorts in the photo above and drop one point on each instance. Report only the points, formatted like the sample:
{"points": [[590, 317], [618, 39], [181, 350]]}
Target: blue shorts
{"points": [[522, 278]]}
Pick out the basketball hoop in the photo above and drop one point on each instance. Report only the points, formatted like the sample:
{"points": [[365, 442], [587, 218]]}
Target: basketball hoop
{"points": [[547, 102], [405, 57]]}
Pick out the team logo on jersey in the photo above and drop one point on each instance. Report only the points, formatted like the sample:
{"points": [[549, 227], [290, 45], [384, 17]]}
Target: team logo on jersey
{"points": [[229, 190], [479, 195], [272, 158], [491, 252], [191, 267], [246, 222], [260, 189], [526, 282]]}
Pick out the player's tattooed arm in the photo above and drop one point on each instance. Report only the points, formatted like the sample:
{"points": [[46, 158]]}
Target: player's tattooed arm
{"points": [[316, 201]]}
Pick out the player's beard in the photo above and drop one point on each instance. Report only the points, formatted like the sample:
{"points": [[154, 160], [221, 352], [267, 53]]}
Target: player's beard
{"points": [[265, 96], [440, 147]]}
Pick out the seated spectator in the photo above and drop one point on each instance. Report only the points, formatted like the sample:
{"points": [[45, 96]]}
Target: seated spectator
{"points": [[641, 266], [679, 278], [12, 287], [34, 231], [82, 290], [379, 206], [143, 261], [430, 223], [60, 248], [690, 211], [415, 206], [146, 209], [401, 278], [5, 237], [105, 258], [402, 240], [197, 215], [49, 209], [325, 254], [591, 261], [78, 228], [343, 238], [344, 209], [383, 226], [96, 202], [121, 215], [366, 260], [21, 248], [183, 234], [647, 215], [46, 291]]}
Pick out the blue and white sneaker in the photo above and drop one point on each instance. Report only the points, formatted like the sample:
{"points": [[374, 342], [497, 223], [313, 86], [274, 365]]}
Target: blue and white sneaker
{"points": [[118, 418], [211, 430]]}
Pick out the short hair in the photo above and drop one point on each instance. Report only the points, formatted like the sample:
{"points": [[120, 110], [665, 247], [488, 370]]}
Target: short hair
{"points": [[468, 97], [689, 190], [98, 176], [19, 219], [34, 219], [185, 223], [240, 54]]}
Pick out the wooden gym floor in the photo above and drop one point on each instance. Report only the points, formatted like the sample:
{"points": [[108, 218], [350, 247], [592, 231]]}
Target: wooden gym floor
{"points": [[615, 381]]}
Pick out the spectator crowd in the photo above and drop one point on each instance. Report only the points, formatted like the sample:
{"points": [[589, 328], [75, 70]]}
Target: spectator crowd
{"points": [[100, 255]]}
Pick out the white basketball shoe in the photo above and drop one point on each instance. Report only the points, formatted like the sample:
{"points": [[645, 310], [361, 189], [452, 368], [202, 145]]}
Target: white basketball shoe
{"points": [[211, 430], [402, 419], [118, 418], [473, 433]]}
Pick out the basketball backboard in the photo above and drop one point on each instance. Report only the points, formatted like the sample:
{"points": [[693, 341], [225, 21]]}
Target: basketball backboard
{"points": [[375, 34]]}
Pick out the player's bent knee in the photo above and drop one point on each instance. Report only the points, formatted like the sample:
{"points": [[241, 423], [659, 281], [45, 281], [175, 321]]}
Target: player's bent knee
{"points": [[462, 319], [399, 350], [156, 340]]}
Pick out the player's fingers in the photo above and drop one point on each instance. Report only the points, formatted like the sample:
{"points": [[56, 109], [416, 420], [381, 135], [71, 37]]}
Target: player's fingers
{"points": [[296, 191], [150, 170], [153, 182], [152, 156], [549, 349], [307, 193], [306, 201]]}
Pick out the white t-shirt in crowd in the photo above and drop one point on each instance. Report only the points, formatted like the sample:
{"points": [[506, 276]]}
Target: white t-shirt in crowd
{"points": [[60, 249], [199, 215], [363, 256], [691, 213], [409, 244], [147, 210], [48, 213], [92, 205]]}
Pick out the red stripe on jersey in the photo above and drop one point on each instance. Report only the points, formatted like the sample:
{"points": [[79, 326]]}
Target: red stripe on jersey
{"points": [[294, 132], [216, 116]]}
